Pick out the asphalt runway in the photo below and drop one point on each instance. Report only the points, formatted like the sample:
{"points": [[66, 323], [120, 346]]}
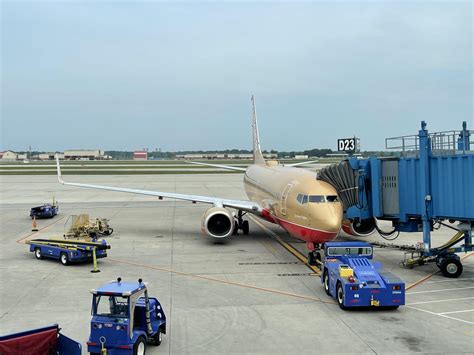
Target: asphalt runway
{"points": [[248, 295]]}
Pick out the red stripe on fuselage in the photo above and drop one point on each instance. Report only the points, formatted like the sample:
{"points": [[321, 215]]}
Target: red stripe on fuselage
{"points": [[307, 234]]}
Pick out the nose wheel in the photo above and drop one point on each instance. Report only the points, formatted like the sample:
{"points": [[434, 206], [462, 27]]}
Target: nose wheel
{"points": [[241, 224], [315, 257]]}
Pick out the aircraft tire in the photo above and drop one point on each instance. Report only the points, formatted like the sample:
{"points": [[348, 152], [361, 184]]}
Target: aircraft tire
{"points": [[245, 227]]}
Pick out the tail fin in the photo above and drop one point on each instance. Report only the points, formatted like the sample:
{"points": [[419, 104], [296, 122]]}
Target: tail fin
{"points": [[257, 153]]}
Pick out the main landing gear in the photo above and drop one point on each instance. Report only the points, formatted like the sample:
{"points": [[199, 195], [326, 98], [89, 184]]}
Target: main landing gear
{"points": [[241, 224]]}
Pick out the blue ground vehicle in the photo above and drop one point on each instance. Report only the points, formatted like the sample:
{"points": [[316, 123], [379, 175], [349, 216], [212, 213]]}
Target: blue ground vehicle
{"points": [[350, 276], [68, 251], [45, 211], [125, 319], [46, 340]]}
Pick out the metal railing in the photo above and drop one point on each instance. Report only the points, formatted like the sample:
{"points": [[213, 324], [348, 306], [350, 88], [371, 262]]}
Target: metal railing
{"points": [[442, 143]]}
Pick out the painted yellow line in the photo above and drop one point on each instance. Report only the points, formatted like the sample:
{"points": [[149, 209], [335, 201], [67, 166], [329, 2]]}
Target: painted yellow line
{"points": [[207, 278], [287, 246]]}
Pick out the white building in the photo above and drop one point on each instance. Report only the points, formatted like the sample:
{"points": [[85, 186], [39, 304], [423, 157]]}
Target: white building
{"points": [[8, 155]]}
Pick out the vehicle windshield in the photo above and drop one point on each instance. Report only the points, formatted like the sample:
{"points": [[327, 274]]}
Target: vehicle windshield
{"points": [[111, 306], [338, 251]]}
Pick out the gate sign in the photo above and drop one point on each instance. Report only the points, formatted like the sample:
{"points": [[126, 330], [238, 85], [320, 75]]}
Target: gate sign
{"points": [[347, 144]]}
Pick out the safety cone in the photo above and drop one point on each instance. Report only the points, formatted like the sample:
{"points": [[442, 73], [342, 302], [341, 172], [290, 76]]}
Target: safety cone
{"points": [[34, 227]]}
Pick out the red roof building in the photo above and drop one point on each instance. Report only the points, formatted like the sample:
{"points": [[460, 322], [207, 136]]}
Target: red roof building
{"points": [[140, 155]]}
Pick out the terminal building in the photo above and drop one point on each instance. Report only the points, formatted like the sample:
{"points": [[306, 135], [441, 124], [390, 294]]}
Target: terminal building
{"points": [[85, 155]]}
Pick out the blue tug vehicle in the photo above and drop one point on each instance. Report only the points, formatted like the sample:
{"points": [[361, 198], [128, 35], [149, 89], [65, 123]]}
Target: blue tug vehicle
{"points": [[351, 277]]}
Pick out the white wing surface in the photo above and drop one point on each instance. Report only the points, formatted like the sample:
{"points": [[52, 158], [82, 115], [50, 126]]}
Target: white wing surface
{"points": [[228, 167], [244, 205]]}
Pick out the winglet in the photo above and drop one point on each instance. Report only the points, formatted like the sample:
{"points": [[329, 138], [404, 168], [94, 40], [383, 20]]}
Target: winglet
{"points": [[58, 168]]}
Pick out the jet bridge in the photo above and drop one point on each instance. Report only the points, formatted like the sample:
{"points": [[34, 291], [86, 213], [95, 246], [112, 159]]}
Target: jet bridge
{"points": [[429, 182]]}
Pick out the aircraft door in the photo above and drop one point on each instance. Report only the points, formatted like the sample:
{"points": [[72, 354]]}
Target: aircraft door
{"points": [[284, 196]]}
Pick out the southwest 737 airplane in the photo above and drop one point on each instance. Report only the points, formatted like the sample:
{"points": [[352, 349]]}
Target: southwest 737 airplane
{"points": [[307, 208]]}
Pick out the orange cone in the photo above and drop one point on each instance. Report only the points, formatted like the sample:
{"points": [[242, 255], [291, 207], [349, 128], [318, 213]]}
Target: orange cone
{"points": [[34, 227]]}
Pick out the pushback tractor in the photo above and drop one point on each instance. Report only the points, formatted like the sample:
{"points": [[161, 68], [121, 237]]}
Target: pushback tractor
{"points": [[354, 280], [125, 319]]}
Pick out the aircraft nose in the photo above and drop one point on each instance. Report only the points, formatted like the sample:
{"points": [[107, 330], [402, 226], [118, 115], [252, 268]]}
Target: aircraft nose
{"points": [[334, 217]]}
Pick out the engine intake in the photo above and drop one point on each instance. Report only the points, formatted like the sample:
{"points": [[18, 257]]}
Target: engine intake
{"points": [[359, 228], [218, 222]]}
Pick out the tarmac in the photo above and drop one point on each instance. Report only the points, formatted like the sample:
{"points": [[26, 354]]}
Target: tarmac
{"points": [[248, 295]]}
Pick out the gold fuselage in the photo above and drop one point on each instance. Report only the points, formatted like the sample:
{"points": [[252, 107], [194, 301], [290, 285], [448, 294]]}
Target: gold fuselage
{"points": [[276, 187]]}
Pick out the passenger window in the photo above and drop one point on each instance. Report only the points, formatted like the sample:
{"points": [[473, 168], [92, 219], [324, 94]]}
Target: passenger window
{"points": [[305, 199], [332, 198], [317, 198]]}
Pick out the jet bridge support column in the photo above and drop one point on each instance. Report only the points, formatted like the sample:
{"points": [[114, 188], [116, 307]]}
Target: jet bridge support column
{"points": [[425, 191]]}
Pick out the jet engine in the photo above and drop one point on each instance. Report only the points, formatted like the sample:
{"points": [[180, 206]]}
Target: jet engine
{"points": [[359, 228], [218, 222]]}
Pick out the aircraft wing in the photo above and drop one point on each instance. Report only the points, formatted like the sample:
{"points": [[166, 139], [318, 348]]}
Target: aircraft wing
{"points": [[302, 163], [228, 167], [244, 205]]}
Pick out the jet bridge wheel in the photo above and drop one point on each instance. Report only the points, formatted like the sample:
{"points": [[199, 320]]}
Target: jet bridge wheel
{"points": [[451, 267]]}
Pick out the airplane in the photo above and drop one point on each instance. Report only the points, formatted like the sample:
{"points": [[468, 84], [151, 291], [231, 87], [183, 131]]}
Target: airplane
{"points": [[307, 208]]}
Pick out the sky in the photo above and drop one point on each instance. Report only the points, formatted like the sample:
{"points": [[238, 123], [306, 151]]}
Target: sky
{"points": [[175, 76]]}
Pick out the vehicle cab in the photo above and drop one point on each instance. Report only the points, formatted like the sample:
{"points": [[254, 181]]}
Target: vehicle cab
{"points": [[353, 279], [124, 318]]}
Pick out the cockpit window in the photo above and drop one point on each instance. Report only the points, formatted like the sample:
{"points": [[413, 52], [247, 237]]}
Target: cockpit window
{"points": [[316, 198]]}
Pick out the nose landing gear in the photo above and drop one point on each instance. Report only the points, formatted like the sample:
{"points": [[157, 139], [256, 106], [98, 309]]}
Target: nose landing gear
{"points": [[241, 224], [315, 256]]}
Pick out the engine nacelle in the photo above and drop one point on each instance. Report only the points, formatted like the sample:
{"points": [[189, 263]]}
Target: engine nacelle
{"points": [[218, 222], [359, 228]]}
